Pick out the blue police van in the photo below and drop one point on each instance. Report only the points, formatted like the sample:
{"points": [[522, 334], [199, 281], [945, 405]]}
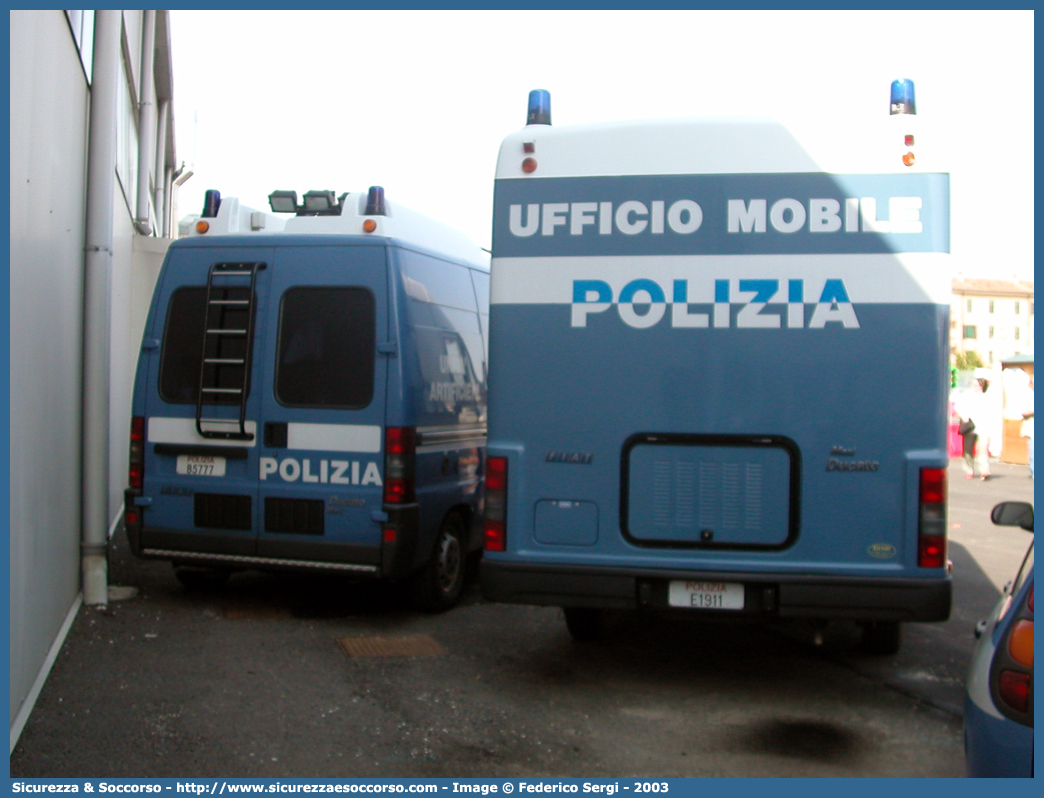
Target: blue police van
{"points": [[719, 377], [311, 394]]}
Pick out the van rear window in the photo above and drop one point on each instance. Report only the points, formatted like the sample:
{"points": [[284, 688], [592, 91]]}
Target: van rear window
{"points": [[327, 345], [183, 345]]}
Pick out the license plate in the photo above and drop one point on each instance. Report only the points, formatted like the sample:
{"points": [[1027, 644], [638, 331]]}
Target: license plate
{"points": [[197, 465], [706, 595]]}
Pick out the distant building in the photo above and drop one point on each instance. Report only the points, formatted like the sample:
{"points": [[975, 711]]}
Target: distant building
{"points": [[93, 177], [991, 317]]}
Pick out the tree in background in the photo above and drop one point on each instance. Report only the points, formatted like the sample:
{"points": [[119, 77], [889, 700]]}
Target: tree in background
{"points": [[966, 361]]}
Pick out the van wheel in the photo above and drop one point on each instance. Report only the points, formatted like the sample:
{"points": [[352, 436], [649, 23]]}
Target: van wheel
{"points": [[585, 624], [881, 638], [438, 584], [196, 578]]}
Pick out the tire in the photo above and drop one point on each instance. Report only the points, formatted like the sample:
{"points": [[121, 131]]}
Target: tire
{"points": [[201, 578], [585, 624], [438, 584], [881, 638]]}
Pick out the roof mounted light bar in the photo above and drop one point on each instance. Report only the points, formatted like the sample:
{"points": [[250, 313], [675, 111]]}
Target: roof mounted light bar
{"points": [[313, 203]]}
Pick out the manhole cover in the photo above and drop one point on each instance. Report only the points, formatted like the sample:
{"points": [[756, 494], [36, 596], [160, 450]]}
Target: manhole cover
{"points": [[406, 646]]}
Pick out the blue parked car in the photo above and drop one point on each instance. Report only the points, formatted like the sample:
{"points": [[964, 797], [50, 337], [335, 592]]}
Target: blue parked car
{"points": [[998, 707]]}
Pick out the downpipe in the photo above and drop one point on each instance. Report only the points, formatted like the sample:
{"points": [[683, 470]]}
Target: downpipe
{"points": [[97, 293], [146, 121]]}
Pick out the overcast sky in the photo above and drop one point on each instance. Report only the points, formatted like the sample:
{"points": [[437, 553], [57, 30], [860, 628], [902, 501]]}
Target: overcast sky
{"points": [[418, 101]]}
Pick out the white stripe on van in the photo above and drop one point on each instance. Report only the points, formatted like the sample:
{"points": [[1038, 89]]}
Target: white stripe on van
{"points": [[878, 278], [183, 430], [334, 437]]}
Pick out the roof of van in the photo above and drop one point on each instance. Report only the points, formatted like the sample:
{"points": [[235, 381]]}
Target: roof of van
{"points": [[398, 222], [711, 145]]}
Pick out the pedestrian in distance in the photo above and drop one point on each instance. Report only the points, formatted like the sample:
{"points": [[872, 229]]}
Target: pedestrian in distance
{"points": [[1027, 427], [973, 412]]}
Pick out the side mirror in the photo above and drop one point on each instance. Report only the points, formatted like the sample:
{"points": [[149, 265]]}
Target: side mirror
{"points": [[1013, 514]]}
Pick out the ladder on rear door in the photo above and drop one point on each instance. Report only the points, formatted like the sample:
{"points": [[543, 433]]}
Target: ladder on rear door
{"points": [[228, 341]]}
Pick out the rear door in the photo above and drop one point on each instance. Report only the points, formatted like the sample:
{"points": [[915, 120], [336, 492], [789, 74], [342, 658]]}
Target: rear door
{"points": [[322, 407], [201, 489]]}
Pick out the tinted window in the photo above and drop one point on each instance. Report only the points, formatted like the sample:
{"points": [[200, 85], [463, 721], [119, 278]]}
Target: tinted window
{"points": [[327, 341], [437, 281], [183, 345]]}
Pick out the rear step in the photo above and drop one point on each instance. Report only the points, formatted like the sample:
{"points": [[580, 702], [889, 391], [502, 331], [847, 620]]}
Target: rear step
{"points": [[225, 379], [187, 557]]}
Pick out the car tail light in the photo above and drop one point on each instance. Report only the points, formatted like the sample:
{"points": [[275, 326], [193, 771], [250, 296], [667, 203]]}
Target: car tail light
{"points": [[931, 540], [400, 450], [495, 524], [1020, 642], [1014, 689], [1011, 672]]}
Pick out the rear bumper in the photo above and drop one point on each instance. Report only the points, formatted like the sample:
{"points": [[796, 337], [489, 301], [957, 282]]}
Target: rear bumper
{"points": [[390, 557], [995, 747], [780, 595]]}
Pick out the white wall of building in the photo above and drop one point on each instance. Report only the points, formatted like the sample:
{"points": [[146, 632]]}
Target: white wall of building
{"points": [[50, 115], [993, 318]]}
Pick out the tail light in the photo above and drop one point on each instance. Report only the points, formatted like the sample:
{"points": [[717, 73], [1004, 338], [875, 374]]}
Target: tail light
{"points": [[931, 539], [137, 453], [496, 504], [400, 454], [136, 475], [1011, 672], [1020, 643], [1014, 688]]}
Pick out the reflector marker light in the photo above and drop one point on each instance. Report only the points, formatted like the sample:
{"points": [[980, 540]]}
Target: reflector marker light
{"points": [[202, 226], [528, 147], [539, 107], [909, 159], [369, 225], [902, 98], [529, 165]]}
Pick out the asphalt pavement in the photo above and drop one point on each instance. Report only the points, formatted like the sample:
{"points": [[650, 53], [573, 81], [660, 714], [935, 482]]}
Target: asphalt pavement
{"points": [[155, 685]]}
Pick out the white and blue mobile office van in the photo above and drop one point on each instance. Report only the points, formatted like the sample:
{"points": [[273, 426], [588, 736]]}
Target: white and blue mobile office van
{"points": [[311, 394], [719, 373]]}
